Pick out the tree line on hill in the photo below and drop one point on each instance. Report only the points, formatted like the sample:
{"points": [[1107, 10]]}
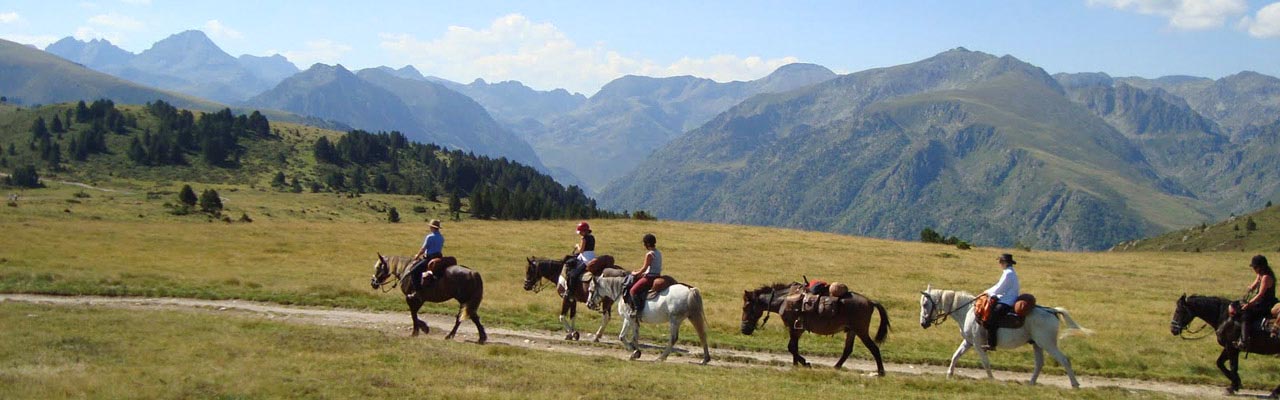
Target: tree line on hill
{"points": [[216, 137], [387, 162]]}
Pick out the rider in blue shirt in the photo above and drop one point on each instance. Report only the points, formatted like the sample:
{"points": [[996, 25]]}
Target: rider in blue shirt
{"points": [[432, 248]]}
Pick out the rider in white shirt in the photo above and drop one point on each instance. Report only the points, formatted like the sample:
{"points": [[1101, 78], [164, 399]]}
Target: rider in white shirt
{"points": [[1005, 293]]}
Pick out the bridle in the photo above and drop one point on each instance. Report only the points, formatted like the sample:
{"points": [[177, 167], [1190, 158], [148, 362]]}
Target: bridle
{"points": [[1182, 328], [533, 272], [773, 293], [382, 283], [935, 317]]}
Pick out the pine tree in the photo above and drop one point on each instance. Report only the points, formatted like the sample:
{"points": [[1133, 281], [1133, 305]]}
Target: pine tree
{"points": [[455, 203], [210, 202], [1249, 225], [137, 153], [278, 180], [25, 176], [294, 186], [187, 196], [38, 130], [56, 125], [393, 216]]}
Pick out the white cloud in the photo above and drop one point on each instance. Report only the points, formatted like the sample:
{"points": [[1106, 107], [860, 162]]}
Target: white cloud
{"points": [[1266, 24], [541, 56], [117, 21], [40, 41], [220, 31], [316, 51], [1183, 14], [9, 17]]}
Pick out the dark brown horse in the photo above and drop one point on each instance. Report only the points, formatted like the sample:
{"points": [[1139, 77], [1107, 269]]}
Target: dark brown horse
{"points": [[1213, 310], [541, 271], [853, 317], [456, 283]]}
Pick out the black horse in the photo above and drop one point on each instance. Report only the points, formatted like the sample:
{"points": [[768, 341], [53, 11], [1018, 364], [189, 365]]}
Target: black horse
{"points": [[1214, 311], [853, 318], [457, 282], [538, 269]]}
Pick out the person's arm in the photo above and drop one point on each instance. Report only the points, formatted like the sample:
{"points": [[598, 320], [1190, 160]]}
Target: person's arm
{"points": [[1255, 283], [423, 250], [648, 260], [1000, 285], [1264, 282], [582, 244]]}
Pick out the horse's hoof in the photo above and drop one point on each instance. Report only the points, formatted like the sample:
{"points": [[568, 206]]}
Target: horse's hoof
{"points": [[705, 360], [482, 340], [1229, 391], [635, 354], [448, 337], [576, 336], [597, 339], [568, 336]]}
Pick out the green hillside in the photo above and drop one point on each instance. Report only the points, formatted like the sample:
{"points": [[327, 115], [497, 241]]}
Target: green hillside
{"points": [[163, 145], [1231, 234]]}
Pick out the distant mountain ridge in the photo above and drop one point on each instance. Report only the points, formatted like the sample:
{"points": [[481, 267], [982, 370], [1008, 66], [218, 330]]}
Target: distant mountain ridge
{"points": [[187, 62], [378, 100], [987, 147], [618, 127]]}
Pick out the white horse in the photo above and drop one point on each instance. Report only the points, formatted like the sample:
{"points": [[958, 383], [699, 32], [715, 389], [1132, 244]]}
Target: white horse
{"points": [[672, 306], [1040, 329]]}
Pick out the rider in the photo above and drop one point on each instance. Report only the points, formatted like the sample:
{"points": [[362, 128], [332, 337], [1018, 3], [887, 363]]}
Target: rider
{"points": [[432, 248], [651, 269], [586, 251], [1259, 306], [1004, 293]]}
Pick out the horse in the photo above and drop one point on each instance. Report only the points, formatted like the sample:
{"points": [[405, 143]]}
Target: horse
{"points": [[672, 305], [853, 317], [1040, 330], [457, 282], [538, 269], [1213, 310]]}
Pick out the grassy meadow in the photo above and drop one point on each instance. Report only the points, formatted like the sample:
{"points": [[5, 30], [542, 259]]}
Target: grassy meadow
{"points": [[111, 353], [114, 243]]}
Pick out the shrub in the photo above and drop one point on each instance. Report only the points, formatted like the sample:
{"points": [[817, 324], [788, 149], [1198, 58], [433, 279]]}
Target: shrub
{"points": [[81, 195], [419, 209], [245, 218], [210, 202], [1249, 225], [187, 196], [963, 245], [25, 177], [393, 216]]}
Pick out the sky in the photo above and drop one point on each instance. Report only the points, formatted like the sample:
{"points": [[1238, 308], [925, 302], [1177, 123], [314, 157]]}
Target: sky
{"points": [[582, 45]]}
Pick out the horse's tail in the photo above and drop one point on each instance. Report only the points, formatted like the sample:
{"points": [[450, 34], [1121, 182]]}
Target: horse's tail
{"points": [[883, 332], [1072, 326], [698, 317], [473, 304]]}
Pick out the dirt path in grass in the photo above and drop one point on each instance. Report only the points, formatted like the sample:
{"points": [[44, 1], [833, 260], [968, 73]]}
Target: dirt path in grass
{"points": [[551, 341]]}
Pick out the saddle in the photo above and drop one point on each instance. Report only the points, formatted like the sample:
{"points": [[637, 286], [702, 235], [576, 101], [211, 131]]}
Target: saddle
{"points": [[982, 306], [598, 265], [438, 265]]}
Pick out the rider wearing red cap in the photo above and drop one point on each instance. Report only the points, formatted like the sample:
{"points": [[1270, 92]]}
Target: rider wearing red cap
{"points": [[585, 251]]}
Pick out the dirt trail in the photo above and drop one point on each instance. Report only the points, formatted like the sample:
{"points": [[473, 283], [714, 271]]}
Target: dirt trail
{"points": [[398, 322]]}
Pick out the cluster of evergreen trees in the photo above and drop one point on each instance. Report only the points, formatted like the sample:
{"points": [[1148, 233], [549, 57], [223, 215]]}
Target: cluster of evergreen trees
{"points": [[216, 137], [498, 188], [928, 235], [102, 118]]}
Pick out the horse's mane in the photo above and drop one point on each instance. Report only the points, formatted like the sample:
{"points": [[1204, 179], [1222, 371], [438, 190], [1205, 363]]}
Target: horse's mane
{"points": [[948, 299], [398, 264]]}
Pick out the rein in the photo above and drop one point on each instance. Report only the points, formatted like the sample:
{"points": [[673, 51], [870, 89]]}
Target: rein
{"points": [[541, 283], [936, 318], [772, 295], [1183, 333], [390, 273]]}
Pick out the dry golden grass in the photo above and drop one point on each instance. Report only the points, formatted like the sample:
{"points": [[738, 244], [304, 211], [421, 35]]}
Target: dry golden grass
{"points": [[1127, 298], [56, 352]]}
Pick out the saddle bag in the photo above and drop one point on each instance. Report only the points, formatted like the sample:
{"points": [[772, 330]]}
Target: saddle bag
{"points": [[439, 264], [659, 284], [598, 264], [1023, 306]]}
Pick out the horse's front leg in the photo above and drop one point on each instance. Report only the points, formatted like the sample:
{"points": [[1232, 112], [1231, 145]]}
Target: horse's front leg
{"points": [[793, 346], [418, 324], [605, 313], [1231, 356], [671, 340], [1039, 353], [567, 307], [964, 347]]}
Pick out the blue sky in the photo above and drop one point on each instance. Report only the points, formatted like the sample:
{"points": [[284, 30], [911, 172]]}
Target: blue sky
{"points": [[582, 45]]}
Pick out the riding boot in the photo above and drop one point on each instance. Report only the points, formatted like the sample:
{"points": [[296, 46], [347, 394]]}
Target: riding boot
{"points": [[637, 305], [991, 338]]}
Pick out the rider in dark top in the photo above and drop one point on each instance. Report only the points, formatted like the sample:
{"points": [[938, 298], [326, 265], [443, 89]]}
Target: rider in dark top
{"points": [[586, 251], [1259, 306]]}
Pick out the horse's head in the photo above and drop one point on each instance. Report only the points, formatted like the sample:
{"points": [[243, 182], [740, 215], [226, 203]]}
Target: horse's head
{"points": [[752, 308], [530, 273], [381, 271], [929, 309], [593, 295], [1182, 316]]}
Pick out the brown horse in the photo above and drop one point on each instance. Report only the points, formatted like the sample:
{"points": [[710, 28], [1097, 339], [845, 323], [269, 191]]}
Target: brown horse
{"points": [[853, 317], [457, 282], [539, 271], [1214, 311]]}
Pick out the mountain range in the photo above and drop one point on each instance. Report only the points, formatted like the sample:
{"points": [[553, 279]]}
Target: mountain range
{"points": [[990, 149], [187, 62]]}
